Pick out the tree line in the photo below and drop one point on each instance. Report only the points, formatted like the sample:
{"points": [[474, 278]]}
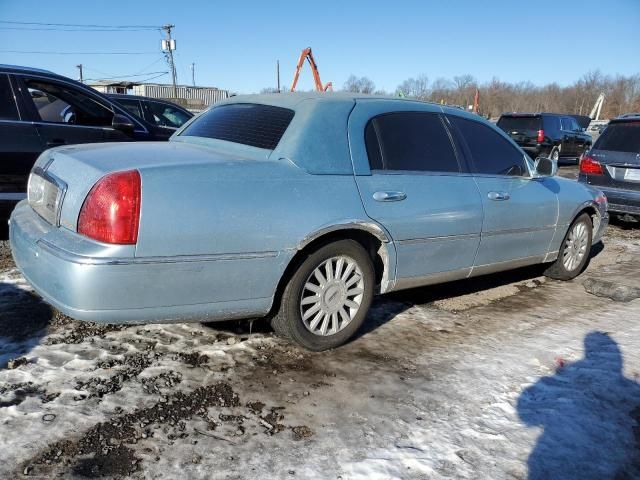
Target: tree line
{"points": [[622, 93]]}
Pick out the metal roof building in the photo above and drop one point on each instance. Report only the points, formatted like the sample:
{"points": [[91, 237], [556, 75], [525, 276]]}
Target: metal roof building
{"points": [[191, 97]]}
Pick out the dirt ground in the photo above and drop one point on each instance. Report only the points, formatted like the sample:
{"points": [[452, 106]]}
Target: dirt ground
{"points": [[505, 376]]}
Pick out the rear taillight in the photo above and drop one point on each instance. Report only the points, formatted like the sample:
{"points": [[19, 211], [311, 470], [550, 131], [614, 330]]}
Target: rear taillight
{"points": [[111, 211], [540, 138], [590, 167]]}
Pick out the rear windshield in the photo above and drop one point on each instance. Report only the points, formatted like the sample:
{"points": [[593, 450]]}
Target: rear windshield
{"points": [[620, 137], [259, 126], [509, 124]]}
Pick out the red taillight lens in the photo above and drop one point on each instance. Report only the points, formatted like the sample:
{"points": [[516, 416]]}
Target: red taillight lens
{"points": [[540, 138], [111, 211], [589, 166]]}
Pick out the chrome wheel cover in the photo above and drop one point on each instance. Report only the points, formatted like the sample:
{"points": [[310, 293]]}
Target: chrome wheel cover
{"points": [[575, 247], [331, 296]]}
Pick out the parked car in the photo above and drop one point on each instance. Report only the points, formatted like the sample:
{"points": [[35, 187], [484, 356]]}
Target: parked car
{"points": [[597, 128], [552, 135], [40, 110], [161, 113], [299, 207], [613, 165]]}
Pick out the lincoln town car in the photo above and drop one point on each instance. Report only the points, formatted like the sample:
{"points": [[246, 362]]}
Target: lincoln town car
{"points": [[294, 207]]}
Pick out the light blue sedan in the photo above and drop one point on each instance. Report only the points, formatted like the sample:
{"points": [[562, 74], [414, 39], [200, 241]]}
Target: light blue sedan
{"points": [[297, 207]]}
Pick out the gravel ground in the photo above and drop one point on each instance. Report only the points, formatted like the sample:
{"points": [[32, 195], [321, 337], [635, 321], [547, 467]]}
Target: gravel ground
{"points": [[505, 376]]}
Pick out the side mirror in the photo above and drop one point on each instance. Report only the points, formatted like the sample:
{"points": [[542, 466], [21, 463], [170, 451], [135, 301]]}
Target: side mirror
{"points": [[545, 167], [122, 123]]}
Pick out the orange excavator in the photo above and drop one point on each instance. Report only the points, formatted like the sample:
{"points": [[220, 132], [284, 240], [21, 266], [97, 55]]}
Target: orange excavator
{"points": [[307, 55]]}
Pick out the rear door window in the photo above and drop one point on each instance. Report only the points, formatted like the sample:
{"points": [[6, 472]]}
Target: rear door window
{"points": [[568, 124], [58, 103], [518, 124], [8, 109], [130, 105], [410, 141], [620, 137], [491, 153], [250, 124]]}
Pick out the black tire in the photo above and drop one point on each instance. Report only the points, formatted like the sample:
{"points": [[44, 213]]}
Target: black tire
{"points": [[288, 322], [558, 269]]}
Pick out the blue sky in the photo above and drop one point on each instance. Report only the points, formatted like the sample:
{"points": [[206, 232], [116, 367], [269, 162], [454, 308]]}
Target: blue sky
{"points": [[235, 45]]}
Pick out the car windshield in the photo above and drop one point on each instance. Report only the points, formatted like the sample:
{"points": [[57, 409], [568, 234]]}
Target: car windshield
{"points": [[620, 137], [256, 125], [509, 124]]}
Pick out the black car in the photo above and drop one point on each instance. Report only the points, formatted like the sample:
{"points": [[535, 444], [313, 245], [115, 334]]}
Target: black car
{"points": [[546, 134], [613, 165], [161, 113], [40, 110]]}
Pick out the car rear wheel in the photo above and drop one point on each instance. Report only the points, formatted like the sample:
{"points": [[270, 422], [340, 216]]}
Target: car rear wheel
{"points": [[574, 252], [328, 296]]}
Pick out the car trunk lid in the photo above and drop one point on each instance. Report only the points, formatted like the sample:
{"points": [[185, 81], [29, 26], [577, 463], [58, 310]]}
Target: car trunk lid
{"points": [[618, 151], [76, 169]]}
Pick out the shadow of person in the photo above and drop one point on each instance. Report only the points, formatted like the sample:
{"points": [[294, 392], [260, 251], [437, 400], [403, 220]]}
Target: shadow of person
{"points": [[590, 415]]}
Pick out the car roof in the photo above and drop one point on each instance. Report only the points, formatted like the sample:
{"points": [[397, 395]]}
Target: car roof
{"points": [[125, 96], [20, 69], [537, 114], [291, 99], [628, 117]]}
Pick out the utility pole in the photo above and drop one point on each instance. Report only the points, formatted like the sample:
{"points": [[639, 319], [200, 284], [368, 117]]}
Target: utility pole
{"points": [[278, 73], [193, 74], [79, 67], [169, 45]]}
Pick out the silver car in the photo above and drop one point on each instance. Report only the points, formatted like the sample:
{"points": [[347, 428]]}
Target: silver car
{"points": [[297, 207]]}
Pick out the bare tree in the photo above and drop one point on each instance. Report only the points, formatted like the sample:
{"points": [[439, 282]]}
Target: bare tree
{"points": [[359, 85], [622, 94], [415, 87]]}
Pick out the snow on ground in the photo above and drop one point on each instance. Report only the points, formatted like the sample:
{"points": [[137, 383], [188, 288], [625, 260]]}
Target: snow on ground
{"points": [[508, 376]]}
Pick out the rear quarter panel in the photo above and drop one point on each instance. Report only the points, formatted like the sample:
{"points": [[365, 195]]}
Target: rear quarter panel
{"points": [[241, 207], [573, 197]]}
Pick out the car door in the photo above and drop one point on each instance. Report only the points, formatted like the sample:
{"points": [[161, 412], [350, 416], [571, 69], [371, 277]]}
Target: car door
{"points": [[65, 114], [413, 183], [568, 137], [520, 212], [581, 139], [20, 143]]}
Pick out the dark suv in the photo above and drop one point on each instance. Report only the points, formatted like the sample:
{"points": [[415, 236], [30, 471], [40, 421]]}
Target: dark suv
{"points": [[546, 134], [40, 110], [613, 165]]}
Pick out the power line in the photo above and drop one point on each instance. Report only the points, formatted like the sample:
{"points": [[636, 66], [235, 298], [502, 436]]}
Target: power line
{"points": [[55, 29], [147, 27], [152, 78], [78, 53], [126, 76]]}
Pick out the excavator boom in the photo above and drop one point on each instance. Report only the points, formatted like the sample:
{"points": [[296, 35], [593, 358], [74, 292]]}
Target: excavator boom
{"points": [[306, 54]]}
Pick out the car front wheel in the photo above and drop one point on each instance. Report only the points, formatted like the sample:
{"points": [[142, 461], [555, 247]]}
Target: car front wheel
{"points": [[327, 298], [574, 251]]}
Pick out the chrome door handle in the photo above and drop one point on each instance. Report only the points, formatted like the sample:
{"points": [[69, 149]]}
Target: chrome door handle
{"points": [[389, 196], [498, 196]]}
